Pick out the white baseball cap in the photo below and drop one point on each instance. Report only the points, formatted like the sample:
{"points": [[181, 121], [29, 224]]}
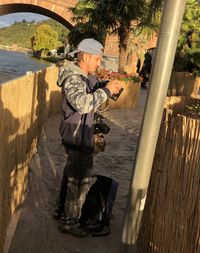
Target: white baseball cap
{"points": [[90, 46]]}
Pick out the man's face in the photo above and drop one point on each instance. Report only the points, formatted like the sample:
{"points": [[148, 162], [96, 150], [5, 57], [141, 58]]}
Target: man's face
{"points": [[93, 62]]}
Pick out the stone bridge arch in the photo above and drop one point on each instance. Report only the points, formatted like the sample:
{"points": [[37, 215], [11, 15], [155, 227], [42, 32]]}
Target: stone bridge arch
{"points": [[55, 9], [59, 11]]}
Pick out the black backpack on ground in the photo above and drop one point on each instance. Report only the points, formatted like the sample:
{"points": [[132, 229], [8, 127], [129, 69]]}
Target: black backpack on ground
{"points": [[97, 208]]}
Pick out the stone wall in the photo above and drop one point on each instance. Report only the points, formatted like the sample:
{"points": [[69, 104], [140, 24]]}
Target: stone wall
{"points": [[184, 84], [112, 53]]}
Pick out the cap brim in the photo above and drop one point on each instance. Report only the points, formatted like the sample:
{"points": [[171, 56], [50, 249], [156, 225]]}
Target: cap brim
{"points": [[76, 51], [72, 53]]}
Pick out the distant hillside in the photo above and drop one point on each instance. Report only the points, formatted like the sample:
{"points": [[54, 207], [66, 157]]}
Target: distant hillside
{"points": [[20, 33], [9, 19]]}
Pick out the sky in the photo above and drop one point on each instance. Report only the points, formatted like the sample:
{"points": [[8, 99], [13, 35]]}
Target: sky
{"points": [[9, 19]]}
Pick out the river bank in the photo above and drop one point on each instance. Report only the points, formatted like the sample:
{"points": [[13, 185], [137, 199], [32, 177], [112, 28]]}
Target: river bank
{"points": [[28, 51], [15, 48]]}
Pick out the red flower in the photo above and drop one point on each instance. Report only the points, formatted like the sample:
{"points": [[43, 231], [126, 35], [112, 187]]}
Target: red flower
{"points": [[104, 74]]}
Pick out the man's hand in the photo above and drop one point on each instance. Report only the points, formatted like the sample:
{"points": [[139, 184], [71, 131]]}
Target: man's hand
{"points": [[114, 86]]}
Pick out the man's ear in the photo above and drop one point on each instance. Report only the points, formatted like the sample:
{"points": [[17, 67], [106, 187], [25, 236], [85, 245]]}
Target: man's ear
{"points": [[84, 57]]}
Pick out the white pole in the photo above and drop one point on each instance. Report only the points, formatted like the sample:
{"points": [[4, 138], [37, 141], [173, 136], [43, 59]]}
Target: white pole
{"points": [[159, 81]]}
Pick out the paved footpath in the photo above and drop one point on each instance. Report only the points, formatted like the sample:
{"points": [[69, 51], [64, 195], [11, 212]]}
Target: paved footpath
{"points": [[36, 231]]}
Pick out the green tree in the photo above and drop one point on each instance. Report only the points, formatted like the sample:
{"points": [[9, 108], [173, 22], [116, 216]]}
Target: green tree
{"points": [[188, 49], [91, 21], [114, 16], [59, 28], [45, 38]]}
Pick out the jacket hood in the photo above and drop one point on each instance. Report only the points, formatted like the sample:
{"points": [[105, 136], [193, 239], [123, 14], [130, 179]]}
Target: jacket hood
{"points": [[68, 70]]}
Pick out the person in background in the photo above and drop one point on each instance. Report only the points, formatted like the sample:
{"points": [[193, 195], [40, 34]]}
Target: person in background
{"points": [[79, 102]]}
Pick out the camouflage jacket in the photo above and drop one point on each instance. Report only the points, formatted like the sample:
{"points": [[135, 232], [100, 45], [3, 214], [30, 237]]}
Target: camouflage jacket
{"points": [[79, 102]]}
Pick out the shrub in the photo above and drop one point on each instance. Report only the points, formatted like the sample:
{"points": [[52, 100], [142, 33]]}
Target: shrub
{"points": [[194, 110]]}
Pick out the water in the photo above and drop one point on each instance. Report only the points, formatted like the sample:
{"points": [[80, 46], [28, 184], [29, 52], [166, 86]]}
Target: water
{"points": [[13, 65]]}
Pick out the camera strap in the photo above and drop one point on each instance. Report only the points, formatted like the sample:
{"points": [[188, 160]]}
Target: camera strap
{"points": [[84, 118]]}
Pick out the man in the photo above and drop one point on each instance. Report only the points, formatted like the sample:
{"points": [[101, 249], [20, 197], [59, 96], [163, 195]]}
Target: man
{"points": [[79, 102]]}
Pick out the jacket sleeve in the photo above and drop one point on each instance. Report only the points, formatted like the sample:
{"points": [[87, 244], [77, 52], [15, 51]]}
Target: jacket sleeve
{"points": [[76, 94]]}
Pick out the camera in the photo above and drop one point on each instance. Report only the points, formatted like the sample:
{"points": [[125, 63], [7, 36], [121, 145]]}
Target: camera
{"points": [[114, 96], [99, 125]]}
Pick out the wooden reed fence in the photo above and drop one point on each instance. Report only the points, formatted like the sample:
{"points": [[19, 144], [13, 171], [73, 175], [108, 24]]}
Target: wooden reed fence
{"points": [[171, 220], [25, 104]]}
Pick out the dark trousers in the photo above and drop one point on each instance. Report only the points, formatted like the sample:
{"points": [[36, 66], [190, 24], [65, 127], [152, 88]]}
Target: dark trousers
{"points": [[79, 170]]}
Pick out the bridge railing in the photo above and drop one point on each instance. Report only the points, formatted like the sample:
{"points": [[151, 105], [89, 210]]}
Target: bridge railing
{"points": [[25, 104]]}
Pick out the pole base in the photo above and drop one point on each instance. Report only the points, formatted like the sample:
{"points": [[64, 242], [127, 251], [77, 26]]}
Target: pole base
{"points": [[129, 248]]}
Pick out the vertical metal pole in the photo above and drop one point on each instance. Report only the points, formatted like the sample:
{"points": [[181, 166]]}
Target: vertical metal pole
{"points": [[159, 81]]}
